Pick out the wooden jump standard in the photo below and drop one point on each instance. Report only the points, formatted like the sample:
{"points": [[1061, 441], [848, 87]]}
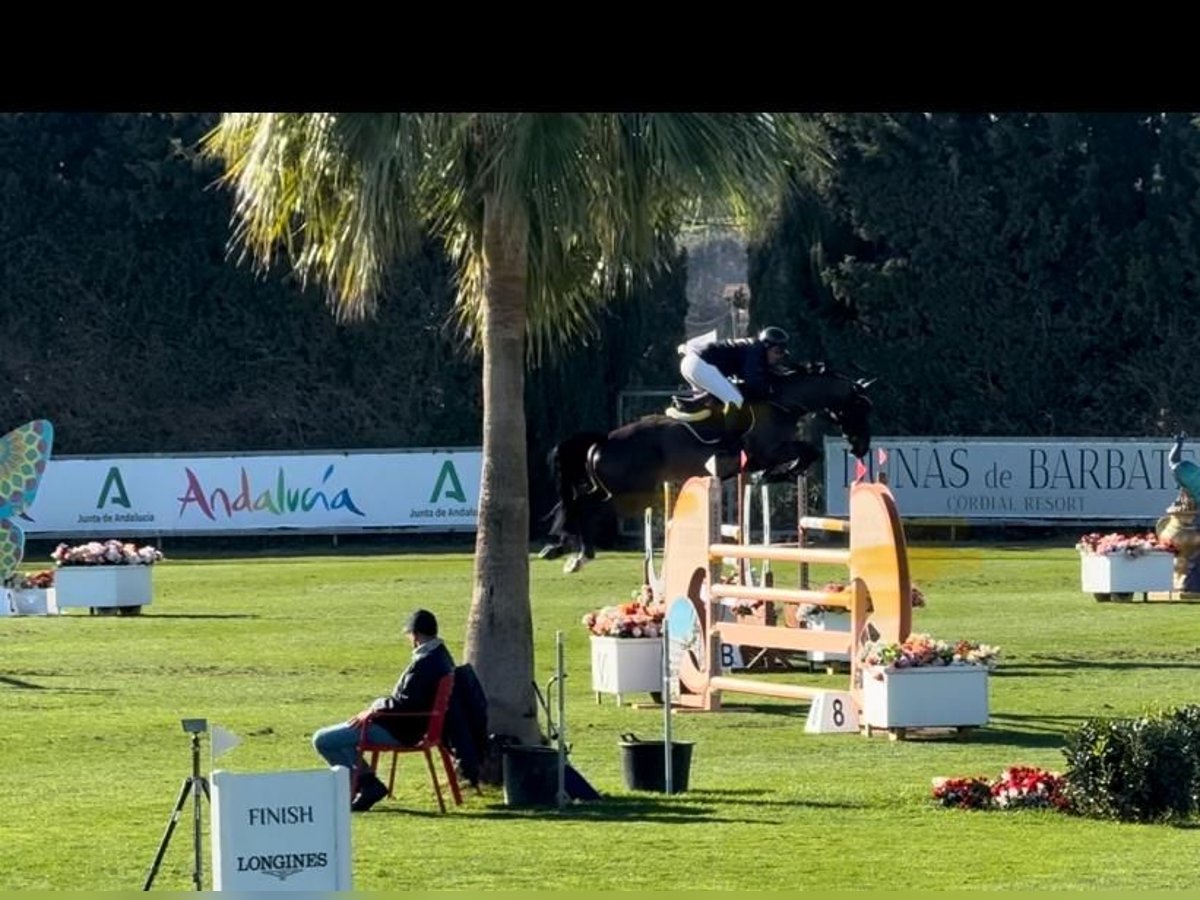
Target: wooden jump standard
{"points": [[878, 596]]}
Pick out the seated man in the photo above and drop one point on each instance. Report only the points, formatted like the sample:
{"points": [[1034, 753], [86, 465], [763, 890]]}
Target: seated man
{"points": [[413, 692]]}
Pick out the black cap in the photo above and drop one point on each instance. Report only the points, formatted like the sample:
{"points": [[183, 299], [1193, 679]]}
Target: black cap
{"points": [[421, 622]]}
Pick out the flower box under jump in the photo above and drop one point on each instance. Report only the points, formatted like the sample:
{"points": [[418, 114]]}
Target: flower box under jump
{"points": [[627, 645], [954, 696], [626, 665], [924, 682]]}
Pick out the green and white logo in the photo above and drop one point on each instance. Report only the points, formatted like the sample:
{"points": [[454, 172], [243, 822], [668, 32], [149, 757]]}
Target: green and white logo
{"points": [[113, 482], [454, 491]]}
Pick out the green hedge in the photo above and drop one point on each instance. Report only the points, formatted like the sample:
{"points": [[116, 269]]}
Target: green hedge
{"points": [[1143, 769]]}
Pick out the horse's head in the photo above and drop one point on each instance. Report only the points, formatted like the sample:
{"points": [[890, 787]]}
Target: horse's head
{"points": [[818, 389], [854, 418]]}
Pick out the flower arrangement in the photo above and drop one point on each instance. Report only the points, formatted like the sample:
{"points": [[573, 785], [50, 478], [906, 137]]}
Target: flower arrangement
{"points": [[971, 792], [107, 553], [1018, 787], [737, 605], [1096, 544], [18, 581], [922, 650], [641, 617], [813, 614]]}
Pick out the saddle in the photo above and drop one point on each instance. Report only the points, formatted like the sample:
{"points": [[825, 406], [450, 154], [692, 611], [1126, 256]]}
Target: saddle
{"points": [[705, 416], [693, 407]]}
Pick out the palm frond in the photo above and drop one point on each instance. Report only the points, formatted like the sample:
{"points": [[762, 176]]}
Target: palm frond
{"points": [[601, 195], [333, 191]]}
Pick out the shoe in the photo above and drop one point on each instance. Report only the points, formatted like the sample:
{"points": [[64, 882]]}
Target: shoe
{"points": [[371, 791]]}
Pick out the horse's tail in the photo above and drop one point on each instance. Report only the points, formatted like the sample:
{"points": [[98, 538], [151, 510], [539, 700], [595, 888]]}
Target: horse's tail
{"points": [[568, 462]]}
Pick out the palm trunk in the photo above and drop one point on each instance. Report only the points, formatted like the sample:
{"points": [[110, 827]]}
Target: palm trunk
{"points": [[500, 624]]}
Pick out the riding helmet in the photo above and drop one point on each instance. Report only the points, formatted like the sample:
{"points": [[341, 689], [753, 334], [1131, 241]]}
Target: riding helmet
{"points": [[773, 336]]}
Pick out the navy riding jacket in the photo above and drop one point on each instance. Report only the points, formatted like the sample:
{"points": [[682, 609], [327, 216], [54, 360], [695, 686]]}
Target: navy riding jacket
{"points": [[744, 359]]}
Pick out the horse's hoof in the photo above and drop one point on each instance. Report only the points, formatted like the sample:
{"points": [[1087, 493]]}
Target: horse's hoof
{"points": [[551, 551], [574, 564]]}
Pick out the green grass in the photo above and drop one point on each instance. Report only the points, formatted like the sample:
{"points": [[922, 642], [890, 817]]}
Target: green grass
{"points": [[272, 648]]}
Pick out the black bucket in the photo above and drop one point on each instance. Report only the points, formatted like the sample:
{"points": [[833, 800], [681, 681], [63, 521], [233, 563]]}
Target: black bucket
{"points": [[530, 775], [644, 764]]}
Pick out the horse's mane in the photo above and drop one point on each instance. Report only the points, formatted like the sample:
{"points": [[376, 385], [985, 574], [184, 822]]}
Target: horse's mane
{"points": [[808, 368]]}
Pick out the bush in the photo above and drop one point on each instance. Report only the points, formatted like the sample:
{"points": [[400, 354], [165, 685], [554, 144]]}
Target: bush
{"points": [[1136, 770]]}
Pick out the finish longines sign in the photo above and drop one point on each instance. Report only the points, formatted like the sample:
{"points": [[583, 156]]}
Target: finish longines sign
{"points": [[281, 831], [1030, 479]]}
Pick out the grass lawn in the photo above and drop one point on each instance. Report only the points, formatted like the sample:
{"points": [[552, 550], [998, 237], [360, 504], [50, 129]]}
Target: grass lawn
{"points": [[273, 647]]}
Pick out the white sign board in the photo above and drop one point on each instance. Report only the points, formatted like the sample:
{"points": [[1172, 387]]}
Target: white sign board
{"points": [[124, 496], [281, 831], [1031, 479]]}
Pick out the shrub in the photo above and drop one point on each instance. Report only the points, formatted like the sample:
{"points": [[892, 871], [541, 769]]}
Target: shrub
{"points": [[1139, 770]]}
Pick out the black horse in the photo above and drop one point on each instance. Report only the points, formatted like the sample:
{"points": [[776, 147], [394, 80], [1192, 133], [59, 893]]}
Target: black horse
{"points": [[625, 469]]}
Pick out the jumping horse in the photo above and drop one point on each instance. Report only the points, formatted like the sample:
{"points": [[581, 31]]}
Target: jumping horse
{"points": [[623, 470]]}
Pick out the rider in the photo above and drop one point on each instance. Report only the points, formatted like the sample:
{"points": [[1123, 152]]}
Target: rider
{"points": [[709, 367]]}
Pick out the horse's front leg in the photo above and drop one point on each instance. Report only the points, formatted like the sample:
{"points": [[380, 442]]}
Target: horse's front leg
{"points": [[788, 461]]}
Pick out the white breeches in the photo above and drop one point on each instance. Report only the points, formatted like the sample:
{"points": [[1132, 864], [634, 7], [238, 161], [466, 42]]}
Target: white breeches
{"points": [[706, 377]]}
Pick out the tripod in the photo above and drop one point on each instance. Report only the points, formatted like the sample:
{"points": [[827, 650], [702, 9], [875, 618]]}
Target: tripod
{"points": [[193, 784]]}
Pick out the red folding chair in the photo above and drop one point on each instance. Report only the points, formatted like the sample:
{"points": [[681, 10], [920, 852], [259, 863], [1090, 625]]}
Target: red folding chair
{"points": [[430, 741]]}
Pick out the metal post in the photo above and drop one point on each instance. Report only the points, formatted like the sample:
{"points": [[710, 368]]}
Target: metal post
{"points": [[197, 818], [666, 692], [560, 671], [801, 512]]}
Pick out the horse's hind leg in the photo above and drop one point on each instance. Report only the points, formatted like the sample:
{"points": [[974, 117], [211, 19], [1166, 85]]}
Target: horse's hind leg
{"points": [[586, 551], [560, 538], [585, 534]]}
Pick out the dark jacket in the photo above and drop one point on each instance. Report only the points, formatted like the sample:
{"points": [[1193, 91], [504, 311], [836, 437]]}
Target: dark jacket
{"points": [[415, 692], [467, 723], [744, 359]]}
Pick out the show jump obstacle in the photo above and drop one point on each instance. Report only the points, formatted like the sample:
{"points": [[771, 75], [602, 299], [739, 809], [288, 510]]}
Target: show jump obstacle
{"points": [[878, 596]]}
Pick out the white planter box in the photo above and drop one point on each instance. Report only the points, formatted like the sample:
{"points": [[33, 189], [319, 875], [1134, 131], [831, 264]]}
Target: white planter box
{"points": [[35, 602], [925, 697], [830, 621], [625, 665], [103, 586], [1117, 573]]}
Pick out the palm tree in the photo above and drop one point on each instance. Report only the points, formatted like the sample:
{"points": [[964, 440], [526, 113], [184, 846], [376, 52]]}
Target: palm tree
{"points": [[546, 216]]}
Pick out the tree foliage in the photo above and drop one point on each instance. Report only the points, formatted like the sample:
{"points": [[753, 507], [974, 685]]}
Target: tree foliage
{"points": [[1023, 274], [1004, 275]]}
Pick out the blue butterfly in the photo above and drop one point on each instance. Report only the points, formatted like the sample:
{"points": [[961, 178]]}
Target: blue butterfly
{"points": [[24, 453]]}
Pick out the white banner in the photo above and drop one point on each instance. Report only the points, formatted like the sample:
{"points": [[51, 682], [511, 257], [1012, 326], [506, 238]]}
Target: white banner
{"points": [[1031, 479], [435, 490]]}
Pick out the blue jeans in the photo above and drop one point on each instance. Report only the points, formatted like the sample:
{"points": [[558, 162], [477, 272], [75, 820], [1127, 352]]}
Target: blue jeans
{"points": [[336, 744]]}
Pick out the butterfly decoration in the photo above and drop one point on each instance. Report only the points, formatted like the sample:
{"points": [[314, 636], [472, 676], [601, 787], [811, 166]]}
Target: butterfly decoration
{"points": [[24, 452]]}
